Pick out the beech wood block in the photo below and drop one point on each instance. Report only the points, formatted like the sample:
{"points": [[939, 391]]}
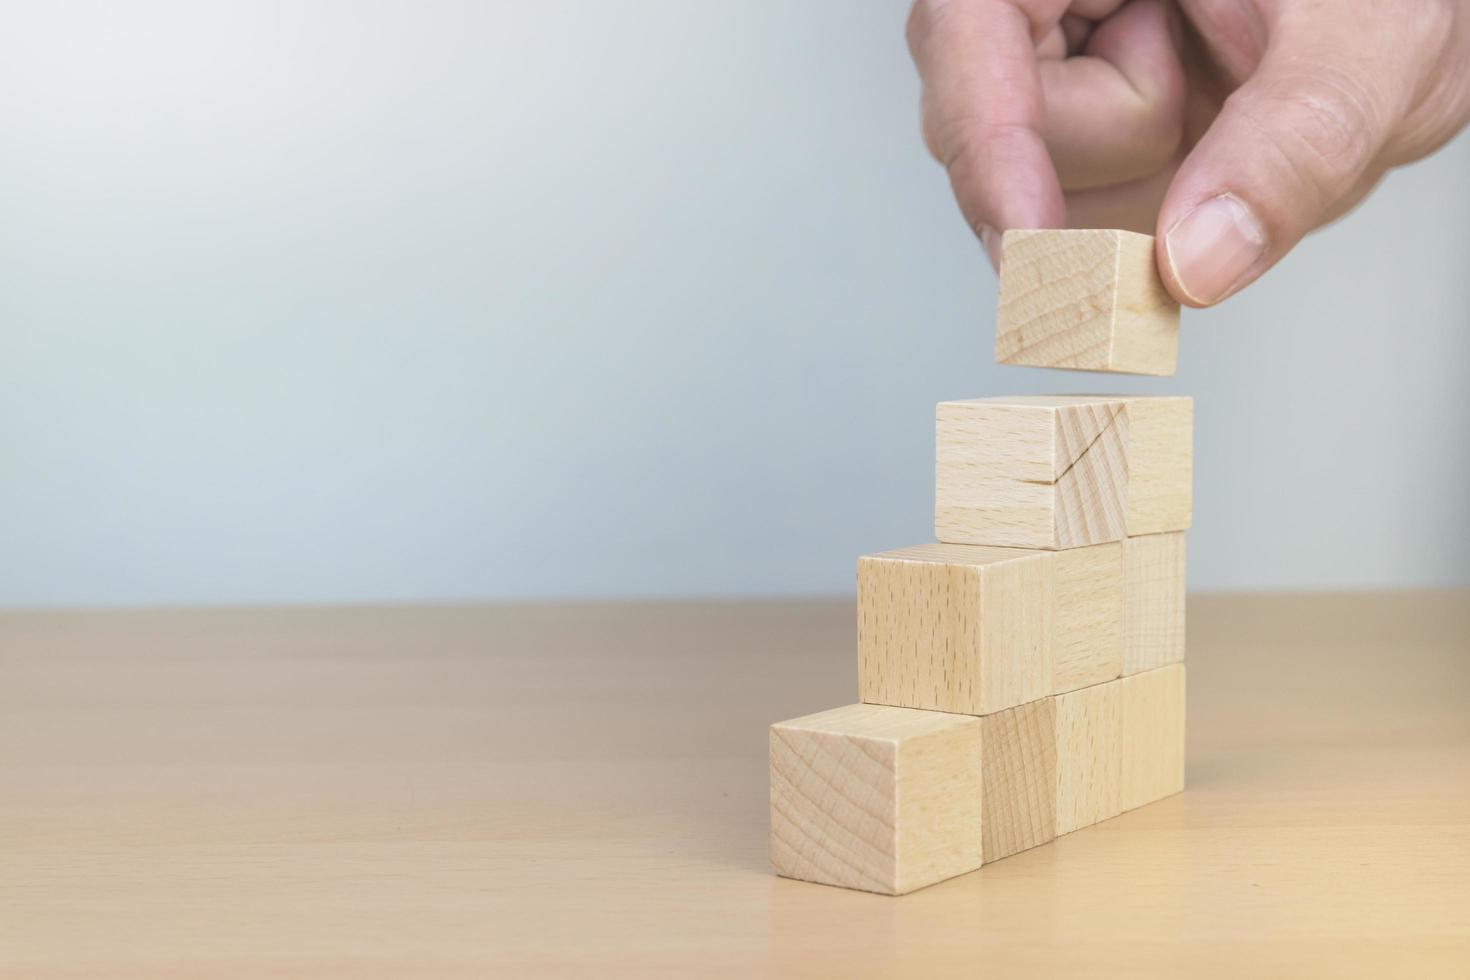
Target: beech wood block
{"points": [[1153, 735], [1061, 471], [1087, 616], [1085, 299], [1153, 601], [955, 627], [876, 798], [1020, 763], [1089, 755], [973, 629]]}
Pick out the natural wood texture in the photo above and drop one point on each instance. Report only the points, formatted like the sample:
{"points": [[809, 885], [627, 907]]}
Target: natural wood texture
{"points": [[582, 790], [1153, 735], [1087, 620], [1020, 763], [955, 628], [876, 798], [1153, 608], [1054, 472], [1084, 299], [1160, 464], [1089, 755]]}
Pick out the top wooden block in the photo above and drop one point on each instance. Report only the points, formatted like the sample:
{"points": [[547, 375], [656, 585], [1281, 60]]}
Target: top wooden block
{"points": [[1061, 471], [1088, 300]]}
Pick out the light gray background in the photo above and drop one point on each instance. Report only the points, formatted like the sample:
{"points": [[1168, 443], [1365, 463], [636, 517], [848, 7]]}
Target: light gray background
{"points": [[403, 300]]}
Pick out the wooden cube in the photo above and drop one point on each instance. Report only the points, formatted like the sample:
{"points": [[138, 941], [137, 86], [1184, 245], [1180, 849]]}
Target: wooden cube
{"points": [[1089, 755], [1088, 299], [876, 798], [1088, 616], [956, 628], [1153, 606], [1020, 774], [974, 629], [1152, 764], [1056, 471]]}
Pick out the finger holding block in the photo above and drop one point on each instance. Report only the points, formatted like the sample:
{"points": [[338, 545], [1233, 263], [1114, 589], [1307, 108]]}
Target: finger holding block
{"points": [[876, 798], [1086, 300]]}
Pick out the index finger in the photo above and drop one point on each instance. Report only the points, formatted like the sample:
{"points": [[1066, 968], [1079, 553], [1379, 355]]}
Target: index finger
{"points": [[983, 109]]}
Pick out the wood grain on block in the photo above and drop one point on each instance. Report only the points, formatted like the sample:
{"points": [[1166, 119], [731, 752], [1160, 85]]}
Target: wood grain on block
{"points": [[1088, 616], [1089, 755], [1160, 464], [1153, 601], [1057, 471], [1084, 299], [1020, 775], [1153, 735], [955, 627], [876, 798]]}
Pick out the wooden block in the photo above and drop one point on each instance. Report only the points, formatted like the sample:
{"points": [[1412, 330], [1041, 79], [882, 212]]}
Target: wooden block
{"points": [[1087, 619], [1020, 775], [1153, 601], [1089, 300], [1160, 464], [1058, 471], [974, 629], [1153, 735], [955, 628], [1089, 755], [877, 798]]}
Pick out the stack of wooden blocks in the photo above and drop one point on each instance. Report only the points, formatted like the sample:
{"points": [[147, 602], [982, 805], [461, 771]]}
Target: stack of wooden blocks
{"points": [[1024, 677]]}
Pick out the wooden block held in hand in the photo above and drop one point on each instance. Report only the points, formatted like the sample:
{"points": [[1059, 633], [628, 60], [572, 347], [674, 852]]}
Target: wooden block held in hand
{"points": [[1153, 603], [1061, 471], [1089, 755], [954, 627], [1087, 620], [876, 798], [1020, 763], [1084, 299], [1153, 735]]}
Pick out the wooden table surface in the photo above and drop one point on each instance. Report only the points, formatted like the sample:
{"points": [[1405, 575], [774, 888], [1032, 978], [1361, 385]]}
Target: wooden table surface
{"points": [[581, 790]]}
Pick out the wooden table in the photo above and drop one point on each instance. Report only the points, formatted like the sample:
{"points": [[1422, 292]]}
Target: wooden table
{"points": [[581, 790]]}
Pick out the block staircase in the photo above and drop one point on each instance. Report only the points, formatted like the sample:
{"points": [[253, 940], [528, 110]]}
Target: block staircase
{"points": [[1023, 677]]}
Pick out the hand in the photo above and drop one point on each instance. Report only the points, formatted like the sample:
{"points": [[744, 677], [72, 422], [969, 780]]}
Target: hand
{"points": [[1227, 128]]}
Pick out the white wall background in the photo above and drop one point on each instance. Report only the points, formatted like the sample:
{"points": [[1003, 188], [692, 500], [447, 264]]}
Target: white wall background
{"points": [[313, 301]]}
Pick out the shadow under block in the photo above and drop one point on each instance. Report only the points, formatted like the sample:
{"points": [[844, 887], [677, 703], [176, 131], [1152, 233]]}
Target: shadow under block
{"points": [[955, 628], [1020, 763], [1153, 601], [1153, 736], [1061, 471], [1085, 299], [876, 798], [1089, 755]]}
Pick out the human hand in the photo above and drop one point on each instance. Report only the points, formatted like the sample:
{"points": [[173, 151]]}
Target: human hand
{"points": [[1227, 128]]}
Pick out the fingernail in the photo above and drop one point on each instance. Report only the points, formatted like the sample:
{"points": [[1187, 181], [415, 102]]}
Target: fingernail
{"points": [[1212, 248], [991, 240]]}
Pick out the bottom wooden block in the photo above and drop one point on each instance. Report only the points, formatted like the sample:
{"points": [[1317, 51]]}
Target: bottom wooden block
{"points": [[1089, 755], [892, 799], [1152, 707], [877, 798], [1020, 762]]}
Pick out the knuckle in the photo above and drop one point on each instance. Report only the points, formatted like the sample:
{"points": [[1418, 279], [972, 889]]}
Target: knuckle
{"points": [[1325, 123], [923, 16]]}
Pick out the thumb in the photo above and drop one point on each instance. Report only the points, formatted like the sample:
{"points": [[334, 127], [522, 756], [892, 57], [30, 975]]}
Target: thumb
{"points": [[1285, 151]]}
